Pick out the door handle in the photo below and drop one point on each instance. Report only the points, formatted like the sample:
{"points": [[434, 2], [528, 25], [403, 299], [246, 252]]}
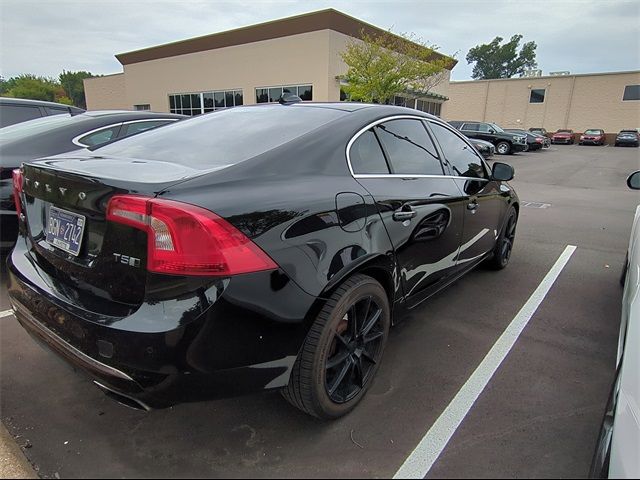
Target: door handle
{"points": [[404, 215], [472, 206]]}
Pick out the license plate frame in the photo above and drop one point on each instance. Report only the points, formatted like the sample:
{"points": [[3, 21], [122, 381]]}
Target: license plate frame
{"points": [[69, 230]]}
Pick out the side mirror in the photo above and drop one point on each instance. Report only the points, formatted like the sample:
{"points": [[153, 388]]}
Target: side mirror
{"points": [[502, 172], [634, 181], [492, 131]]}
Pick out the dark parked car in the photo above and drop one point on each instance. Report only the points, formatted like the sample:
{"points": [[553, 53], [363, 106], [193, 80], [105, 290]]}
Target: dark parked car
{"points": [[16, 110], [563, 136], [58, 134], [594, 136], [539, 131], [260, 247], [628, 137], [534, 141], [504, 142], [486, 149]]}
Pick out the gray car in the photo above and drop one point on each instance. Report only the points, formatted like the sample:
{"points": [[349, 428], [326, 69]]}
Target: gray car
{"points": [[56, 134]]}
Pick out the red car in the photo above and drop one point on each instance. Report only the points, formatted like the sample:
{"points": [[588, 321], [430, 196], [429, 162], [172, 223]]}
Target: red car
{"points": [[594, 136], [563, 136]]}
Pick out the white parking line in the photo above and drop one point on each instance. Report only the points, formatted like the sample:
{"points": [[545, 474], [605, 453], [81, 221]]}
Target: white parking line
{"points": [[6, 313], [418, 464]]}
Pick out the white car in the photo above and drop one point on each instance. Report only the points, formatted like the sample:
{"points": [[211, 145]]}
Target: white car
{"points": [[618, 449]]}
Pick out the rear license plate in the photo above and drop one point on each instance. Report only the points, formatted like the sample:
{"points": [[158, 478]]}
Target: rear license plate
{"points": [[65, 230]]}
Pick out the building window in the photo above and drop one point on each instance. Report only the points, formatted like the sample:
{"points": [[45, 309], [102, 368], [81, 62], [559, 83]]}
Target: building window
{"points": [[197, 103], [434, 108], [631, 92], [273, 94], [144, 106], [537, 95]]}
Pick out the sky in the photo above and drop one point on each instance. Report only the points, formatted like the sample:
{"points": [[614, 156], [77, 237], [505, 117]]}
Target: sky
{"points": [[581, 36]]}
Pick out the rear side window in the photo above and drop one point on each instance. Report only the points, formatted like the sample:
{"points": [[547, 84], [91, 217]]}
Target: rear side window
{"points": [[101, 136], [137, 127], [461, 157], [409, 147], [10, 114], [470, 127], [366, 155]]}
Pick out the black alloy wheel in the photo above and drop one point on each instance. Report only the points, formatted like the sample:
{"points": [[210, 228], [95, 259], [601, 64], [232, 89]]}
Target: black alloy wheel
{"points": [[343, 350], [355, 350], [504, 244]]}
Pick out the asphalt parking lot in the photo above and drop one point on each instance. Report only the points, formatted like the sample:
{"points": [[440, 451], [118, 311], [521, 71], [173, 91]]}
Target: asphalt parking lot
{"points": [[538, 416]]}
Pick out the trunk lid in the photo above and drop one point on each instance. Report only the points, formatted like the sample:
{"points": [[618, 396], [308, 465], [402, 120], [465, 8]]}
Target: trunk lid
{"points": [[111, 259]]}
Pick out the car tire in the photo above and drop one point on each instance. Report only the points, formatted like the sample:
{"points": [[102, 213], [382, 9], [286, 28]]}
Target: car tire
{"points": [[504, 243], [503, 148], [342, 351]]}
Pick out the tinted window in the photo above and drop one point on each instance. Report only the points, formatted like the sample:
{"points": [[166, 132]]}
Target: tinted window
{"points": [[462, 159], [100, 137], [133, 128], [38, 126], [409, 147], [537, 95], [10, 114], [631, 92], [224, 138], [366, 155], [56, 110], [470, 127]]}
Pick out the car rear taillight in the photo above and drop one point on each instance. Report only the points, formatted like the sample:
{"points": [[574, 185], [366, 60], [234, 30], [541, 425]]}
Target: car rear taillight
{"points": [[17, 190], [183, 239]]}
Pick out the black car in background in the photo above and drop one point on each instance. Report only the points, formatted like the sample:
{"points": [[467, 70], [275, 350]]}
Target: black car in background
{"points": [[59, 134], [505, 142], [534, 141], [627, 137], [260, 247], [486, 149], [16, 110]]}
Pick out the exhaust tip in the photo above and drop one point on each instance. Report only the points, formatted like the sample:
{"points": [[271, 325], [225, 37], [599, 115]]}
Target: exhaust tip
{"points": [[123, 399]]}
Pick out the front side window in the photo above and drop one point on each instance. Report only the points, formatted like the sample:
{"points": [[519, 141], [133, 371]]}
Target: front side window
{"points": [[366, 155], [409, 147], [471, 127], [537, 95], [462, 159], [631, 92], [101, 136]]}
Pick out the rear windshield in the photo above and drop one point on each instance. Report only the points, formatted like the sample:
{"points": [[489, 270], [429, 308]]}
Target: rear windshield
{"points": [[225, 137], [633, 132]]}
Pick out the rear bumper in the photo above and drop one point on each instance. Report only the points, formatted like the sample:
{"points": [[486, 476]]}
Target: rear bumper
{"points": [[562, 140], [631, 143], [232, 346]]}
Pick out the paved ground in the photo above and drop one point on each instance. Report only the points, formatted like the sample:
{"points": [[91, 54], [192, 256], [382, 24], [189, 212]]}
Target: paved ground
{"points": [[538, 417]]}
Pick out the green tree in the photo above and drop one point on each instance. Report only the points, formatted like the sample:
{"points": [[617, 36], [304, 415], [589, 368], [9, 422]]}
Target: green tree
{"points": [[382, 66], [32, 87], [493, 60], [73, 85]]}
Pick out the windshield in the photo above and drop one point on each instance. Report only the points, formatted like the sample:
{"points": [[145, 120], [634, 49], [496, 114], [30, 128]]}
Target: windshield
{"points": [[593, 132], [225, 137], [496, 127], [36, 126], [565, 131]]}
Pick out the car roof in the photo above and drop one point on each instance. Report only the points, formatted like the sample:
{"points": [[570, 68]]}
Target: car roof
{"points": [[39, 103], [128, 113]]}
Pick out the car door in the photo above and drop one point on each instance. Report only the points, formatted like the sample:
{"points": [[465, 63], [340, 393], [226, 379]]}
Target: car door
{"points": [[482, 198], [396, 160], [471, 130]]}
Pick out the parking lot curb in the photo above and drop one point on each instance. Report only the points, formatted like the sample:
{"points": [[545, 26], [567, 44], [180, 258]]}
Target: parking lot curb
{"points": [[13, 463]]}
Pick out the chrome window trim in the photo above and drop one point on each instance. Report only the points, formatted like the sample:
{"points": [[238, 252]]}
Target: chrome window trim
{"points": [[378, 122], [410, 177], [76, 140]]}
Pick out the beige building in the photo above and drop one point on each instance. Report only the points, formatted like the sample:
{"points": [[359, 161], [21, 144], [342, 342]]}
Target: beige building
{"points": [[610, 101], [244, 66]]}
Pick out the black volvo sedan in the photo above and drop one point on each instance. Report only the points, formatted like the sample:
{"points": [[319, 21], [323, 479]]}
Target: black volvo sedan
{"points": [[261, 247]]}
